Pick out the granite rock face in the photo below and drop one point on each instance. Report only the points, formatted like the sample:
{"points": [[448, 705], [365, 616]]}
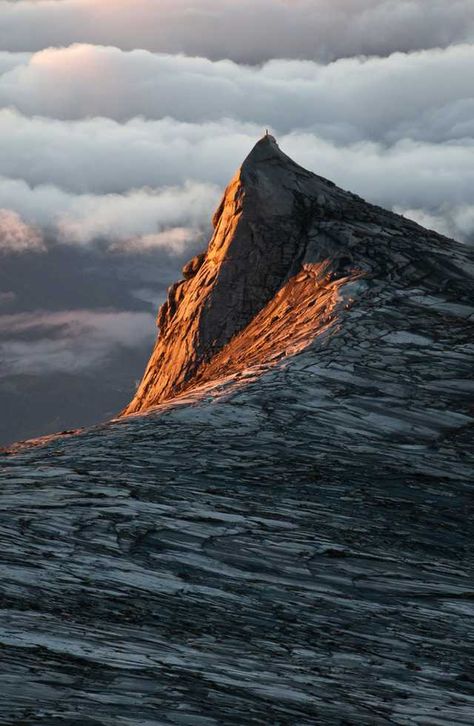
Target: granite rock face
{"points": [[262, 237], [285, 239], [290, 540]]}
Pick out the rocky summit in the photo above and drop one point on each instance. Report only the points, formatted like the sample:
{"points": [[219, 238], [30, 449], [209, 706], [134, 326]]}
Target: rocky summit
{"points": [[278, 529]]}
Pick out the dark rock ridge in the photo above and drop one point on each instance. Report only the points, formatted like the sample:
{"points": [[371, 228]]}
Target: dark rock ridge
{"points": [[280, 231], [291, 540], [260, 239]]}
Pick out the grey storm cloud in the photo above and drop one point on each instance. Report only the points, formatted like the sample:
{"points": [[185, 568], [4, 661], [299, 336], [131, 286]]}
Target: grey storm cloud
{"points": [[248, 31]]}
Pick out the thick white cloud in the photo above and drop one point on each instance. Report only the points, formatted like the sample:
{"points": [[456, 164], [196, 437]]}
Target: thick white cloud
{"points": [[397, 130], [16, 236], [141, 219], [184, 167], [248, 31], [176, 239], [69, 341], [100, 155], [425, 95], [8, 61], [453, 221], [139, 214]]}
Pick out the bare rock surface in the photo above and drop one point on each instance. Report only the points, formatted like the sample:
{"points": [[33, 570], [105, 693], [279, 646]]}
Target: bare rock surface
{"points": [[285, 239], [290, 540]]}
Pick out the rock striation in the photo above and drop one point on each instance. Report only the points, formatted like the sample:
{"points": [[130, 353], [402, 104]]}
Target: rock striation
{"points": [[290, 539]]}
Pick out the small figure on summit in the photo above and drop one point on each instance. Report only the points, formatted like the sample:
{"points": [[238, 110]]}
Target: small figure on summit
{"points": [[268, 136]]}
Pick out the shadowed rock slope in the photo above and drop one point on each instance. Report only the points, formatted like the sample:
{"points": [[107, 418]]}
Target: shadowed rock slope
{"points": [[289, 541]]}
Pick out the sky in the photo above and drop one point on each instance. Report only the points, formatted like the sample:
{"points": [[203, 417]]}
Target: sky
{"points": [[121, 121]]}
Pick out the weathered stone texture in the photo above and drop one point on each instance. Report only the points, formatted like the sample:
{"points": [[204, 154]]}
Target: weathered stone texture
{"points": [[290, 542]]}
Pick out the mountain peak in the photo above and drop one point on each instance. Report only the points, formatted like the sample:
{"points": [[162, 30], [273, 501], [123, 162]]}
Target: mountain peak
{"points": [[265, 149], [287, 251], [266, 155]]}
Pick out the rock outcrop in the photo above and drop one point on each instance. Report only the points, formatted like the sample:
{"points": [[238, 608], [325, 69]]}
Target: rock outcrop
{"points": [[288, 245], [290, 540]]}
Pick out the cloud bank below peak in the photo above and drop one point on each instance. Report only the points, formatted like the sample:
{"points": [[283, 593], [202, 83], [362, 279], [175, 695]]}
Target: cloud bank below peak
{"points": [[68, 341], [438, 179], [16, 236]]}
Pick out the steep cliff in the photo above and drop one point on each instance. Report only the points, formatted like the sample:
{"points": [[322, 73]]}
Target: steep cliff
{"points": [[278, 272]]}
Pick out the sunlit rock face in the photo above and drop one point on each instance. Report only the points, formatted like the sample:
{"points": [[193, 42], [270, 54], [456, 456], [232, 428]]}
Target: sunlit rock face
{"points": [[290, 540], [282, 266], [265, 235]]}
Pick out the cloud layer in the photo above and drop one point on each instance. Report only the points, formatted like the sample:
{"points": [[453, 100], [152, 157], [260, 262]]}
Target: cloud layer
{"points": [[140, 219], [424, 95], [16, 236], [68, 342], [398, 130], [247, 31], [408, 175]]}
